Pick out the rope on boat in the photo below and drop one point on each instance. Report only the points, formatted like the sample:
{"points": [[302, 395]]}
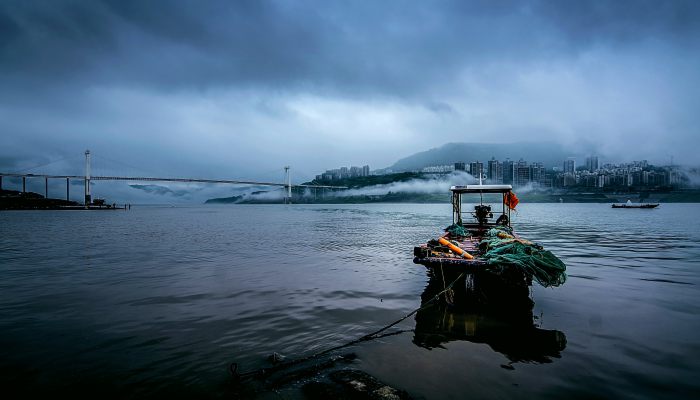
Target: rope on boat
{"points": [[449, 293], [233, 367]]}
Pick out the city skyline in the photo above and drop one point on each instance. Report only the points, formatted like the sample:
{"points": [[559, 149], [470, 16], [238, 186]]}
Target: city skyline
{"points": [[522, 173]]}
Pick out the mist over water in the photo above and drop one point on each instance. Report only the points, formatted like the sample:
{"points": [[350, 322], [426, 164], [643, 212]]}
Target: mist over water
{"points": [[434, 184], [427, 185], [156, 302]]}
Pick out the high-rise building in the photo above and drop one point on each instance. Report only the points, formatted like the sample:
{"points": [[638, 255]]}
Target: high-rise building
{"points": [[570, 165], [476, 168], [495, 171], [521, 173], [601, 181], [537, 173], [674, 177], [507, 172], [459, 166], [592, 163], [365, 170]]}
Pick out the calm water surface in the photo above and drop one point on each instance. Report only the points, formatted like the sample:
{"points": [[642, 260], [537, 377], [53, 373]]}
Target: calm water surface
{"points": [[156, 302]]}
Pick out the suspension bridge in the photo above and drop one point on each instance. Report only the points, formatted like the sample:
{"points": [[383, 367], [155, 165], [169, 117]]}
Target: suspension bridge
{"points": [[88, 178]]}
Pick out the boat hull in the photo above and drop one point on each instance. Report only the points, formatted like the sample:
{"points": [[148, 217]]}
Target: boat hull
{"points": [[635, 205], [454, 264]]}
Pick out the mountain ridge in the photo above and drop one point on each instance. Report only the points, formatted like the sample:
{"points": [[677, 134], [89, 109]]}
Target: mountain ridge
{"points": [[549, 153]]}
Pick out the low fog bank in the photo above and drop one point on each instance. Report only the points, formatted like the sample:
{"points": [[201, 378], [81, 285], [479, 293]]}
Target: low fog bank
{"points": [[692, 174], [428, 185]]}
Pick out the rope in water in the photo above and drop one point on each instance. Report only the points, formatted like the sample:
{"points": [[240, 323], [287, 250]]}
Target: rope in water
{"points": [[233, 367]]}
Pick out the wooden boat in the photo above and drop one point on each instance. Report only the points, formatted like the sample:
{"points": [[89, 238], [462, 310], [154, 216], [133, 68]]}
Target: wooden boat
{"points": [[487, 252], [466, 255], [629, 204]]}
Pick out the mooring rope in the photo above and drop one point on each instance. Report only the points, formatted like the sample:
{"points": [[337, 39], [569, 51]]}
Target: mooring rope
{"points": [[233, 367]]}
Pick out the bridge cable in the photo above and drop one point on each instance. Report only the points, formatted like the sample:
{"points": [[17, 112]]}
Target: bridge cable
{"points": [[44, 165], [124, 164]]}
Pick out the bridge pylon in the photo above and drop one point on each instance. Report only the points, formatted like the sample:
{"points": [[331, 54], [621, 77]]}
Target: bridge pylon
{"points": [[287, 186], [88, 196]]}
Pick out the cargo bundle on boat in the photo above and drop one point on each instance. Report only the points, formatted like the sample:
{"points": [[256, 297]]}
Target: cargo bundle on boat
{"points": [[481, 243]]}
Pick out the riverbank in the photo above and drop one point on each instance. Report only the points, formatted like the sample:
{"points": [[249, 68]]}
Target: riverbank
{"points": [[15, 200]]}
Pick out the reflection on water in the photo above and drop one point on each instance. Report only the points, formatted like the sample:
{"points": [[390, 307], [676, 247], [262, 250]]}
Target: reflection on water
{"points": [[507, 326]]}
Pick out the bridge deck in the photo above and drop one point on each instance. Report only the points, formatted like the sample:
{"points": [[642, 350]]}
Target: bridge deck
{"points": [[156, 179]]}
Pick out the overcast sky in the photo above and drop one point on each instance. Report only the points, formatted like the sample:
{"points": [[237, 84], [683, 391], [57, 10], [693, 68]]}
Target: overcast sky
{"points": [[238, 89]]}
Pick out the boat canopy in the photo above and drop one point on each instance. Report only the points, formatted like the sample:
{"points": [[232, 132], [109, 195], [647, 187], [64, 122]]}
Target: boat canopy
{"points": [[482, 213], [482, 189]]}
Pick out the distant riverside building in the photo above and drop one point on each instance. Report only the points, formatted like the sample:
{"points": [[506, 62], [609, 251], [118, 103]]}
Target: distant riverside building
{"points": [[476, 168], [537, 173], [460, 166], [344, 173], [592, 163], [570, 166], [674, 178], [508, 172], [495, 171], [521, 173], [438, 169]]}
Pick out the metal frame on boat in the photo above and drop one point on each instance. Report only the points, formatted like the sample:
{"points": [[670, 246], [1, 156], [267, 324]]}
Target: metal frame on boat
{"points": [[458, 191]]}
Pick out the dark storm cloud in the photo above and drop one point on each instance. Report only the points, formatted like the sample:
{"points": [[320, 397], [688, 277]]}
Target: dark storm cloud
{"points": [[178, 44], [388, 48], [584, 22]]}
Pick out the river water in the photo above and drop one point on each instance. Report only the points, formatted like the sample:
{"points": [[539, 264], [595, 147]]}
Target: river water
{"points": [[156, 302]]}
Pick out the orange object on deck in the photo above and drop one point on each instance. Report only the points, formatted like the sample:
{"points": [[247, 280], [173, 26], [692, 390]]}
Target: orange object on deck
{"points": [[454, 248], [503, 235], [511, 200]]}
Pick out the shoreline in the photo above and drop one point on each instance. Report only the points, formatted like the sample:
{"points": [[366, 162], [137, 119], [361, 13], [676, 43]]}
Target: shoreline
{"points": [[11, 200]]}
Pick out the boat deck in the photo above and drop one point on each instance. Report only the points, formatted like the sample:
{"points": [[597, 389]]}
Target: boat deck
{"points": [[425, 256]]}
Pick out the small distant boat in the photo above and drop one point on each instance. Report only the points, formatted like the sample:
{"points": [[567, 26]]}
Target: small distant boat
{"points": [[629, 204]]}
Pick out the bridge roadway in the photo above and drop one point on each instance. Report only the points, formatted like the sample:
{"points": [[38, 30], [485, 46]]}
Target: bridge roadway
{"points": [[153, 179]]}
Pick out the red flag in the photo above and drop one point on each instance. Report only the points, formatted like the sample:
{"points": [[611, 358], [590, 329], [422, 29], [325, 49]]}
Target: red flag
{"points": [[511, 200]]}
